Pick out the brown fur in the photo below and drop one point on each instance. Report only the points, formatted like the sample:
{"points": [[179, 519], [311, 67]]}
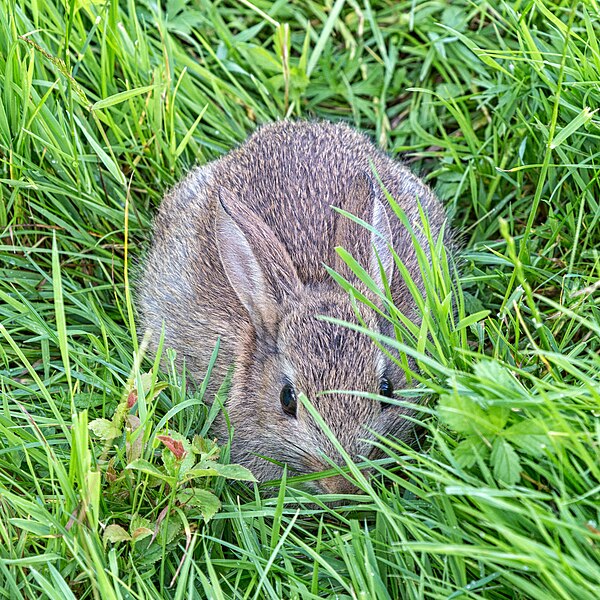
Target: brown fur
{"points": [[238, 253]]}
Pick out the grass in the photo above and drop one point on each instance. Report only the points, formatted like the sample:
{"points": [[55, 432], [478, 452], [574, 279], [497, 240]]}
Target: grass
{"points": [[103, 106]]}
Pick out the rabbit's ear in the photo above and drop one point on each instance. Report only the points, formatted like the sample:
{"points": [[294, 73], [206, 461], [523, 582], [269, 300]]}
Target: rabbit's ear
{"points": [[257, 265], [361, 201], [381, 239]]}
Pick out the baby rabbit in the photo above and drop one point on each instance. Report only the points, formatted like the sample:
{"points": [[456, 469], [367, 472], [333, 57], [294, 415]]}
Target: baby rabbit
{"points": [[238, 253]]}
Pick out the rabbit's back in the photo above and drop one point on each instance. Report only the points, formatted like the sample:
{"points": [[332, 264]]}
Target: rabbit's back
{"points": [[291, 173]]}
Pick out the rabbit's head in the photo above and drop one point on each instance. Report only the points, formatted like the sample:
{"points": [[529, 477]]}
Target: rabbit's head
{"points": [[287, 349]]}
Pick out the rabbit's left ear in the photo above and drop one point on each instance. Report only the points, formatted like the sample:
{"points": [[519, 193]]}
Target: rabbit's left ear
{"points": [[255, 262], [381, 249]]}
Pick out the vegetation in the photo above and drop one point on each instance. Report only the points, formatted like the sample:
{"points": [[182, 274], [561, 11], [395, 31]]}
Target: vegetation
{"points": [[104, 105]]}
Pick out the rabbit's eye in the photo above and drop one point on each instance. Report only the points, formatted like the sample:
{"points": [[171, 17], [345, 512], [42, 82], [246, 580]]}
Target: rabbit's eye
{"points": [[288, 400], [386, 389]]}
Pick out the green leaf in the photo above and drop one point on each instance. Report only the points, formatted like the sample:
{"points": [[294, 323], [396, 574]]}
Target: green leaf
{"points": [[498, 416], [505, 462], [482, 54], [115, 533], [35, 527], [186, 138], [463, 415], [145, 467], [530, 436], [198, 473], [585, 116], [59, 309], [471, 319], [104, 429], [121, 97], [205, 501], [108, 162], [469, 450], [324, 36], [494, 372], [236, 472], [205, 447], [159, 386]]}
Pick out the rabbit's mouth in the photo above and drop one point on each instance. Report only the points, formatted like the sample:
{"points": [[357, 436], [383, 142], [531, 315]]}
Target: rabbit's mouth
{"points": [[337, 484], [329, 480]]}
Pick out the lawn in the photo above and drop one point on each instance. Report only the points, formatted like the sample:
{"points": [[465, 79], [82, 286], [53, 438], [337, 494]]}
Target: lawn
{"points": [[105, 105]]}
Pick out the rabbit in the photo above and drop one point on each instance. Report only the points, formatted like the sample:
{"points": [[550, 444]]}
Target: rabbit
{"points": [[238, 254]]}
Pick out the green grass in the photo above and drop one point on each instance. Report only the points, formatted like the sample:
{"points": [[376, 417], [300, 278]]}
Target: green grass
{"points": [[104, 105]]}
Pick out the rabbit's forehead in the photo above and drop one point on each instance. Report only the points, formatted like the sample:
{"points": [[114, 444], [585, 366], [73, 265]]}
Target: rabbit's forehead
{"points": [[322, 355]]}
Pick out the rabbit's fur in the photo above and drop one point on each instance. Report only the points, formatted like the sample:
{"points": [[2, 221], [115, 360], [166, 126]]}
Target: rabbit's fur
{"points": [[238, 253]]}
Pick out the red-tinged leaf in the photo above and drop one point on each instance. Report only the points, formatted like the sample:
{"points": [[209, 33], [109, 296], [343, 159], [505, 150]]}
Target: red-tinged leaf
{"points": [[140, 533], [175, 446], [131, 398]]}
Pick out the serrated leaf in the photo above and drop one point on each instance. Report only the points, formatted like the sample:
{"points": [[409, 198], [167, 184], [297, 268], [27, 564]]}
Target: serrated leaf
{"points": [[207, 448], [139, 521], [529, 435], [463, 415], [198, 473], [140, 533], [104, 429], [490, 370], [159, 386], [209, 468], [505, 462], [469, 450], [89, 400], [115, 533], [146, 379], [498, 416], [203, 500], [169, 530]]}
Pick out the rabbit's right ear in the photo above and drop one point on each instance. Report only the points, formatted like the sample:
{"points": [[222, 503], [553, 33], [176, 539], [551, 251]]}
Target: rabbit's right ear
{"points": [[257, 265], [381, 240], [362, 201]]}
